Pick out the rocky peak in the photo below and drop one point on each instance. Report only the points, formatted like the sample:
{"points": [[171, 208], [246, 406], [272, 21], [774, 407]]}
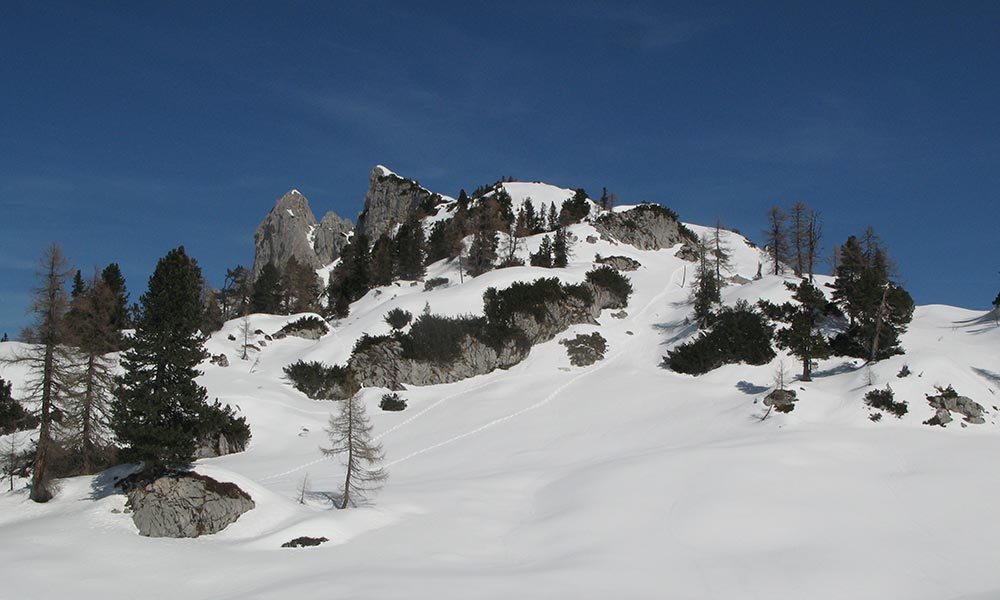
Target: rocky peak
{"points": [[390, 201], [290, 229]]}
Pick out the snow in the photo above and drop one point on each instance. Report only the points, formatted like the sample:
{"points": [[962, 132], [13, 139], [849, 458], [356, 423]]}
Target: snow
{"points": [[621, 479]]}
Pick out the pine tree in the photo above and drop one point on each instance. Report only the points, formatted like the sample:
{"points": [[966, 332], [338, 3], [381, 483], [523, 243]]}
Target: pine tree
{"points": [[543, 257], [300, 287], [113, 278], [776, 238], [560, 249], [801, 336], [236, 292], [351, 279], [706, 291], [483, 249], [382, 261], [878, 309], [49, 362], [267, 294], [553, 221], [574, 209], [350, 435], [409, 250], [158, 403]]}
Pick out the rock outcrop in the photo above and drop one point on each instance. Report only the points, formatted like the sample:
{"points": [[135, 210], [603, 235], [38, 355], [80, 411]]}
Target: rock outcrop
{"points": [[647, 227], [184, 505], [390, 201], [619, 263], [948, 402], [290, 229], [781, 400]]}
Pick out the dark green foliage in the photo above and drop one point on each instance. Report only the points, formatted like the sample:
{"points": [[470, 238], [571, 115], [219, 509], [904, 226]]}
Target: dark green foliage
{"points": [[383, 260], [543, 257], [878, 309], [560, 249], [300, 287], [584, 350], [574, 209], [306, 323], [113, 278], [392, 402], [483, 249], [737, 334], [315, 379], [13, 416], [528, 221], [217, 420], [236, 292], [445, 240], [801, 335], [610, 279], [521, 297], [437, 339], [435, 282], [398, 318], [885, 400], [367, 341], [158, 404], [267, 290], [351, 279], [409, 248]]}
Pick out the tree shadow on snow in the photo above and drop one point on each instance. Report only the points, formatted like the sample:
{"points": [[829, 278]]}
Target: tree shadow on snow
{"points": [[678, 329], [748, 388], [844, 367], [994, 378], [106, 482], [983, 323]]}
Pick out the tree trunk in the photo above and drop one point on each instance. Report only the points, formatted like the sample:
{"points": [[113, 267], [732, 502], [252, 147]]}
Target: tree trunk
{"points": [[806, 369], [39, 484], [350, 453]]}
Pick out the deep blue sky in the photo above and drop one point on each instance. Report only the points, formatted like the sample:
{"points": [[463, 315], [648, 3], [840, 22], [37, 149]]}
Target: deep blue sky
{"points": [[128, 128]]}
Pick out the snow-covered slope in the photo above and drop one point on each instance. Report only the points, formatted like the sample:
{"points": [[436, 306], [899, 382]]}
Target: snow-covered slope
{"points": [[620, 480]]}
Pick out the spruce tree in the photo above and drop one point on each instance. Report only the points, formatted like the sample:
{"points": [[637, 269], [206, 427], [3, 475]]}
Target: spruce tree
{"points": [[267, 291], [543, 257], [351, 279], [157, 406], [483, 249], [113, 278], [409, 250], [801, 335], [706, 291], [560, 249]]}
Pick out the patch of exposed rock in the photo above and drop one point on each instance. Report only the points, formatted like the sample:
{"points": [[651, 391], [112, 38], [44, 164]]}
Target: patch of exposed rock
{"points": [[305, 542], [390, 201], [647, 227], [308, 328], [619, 263], [290, 229], [781, 400], [183, 505], [947, 403]]}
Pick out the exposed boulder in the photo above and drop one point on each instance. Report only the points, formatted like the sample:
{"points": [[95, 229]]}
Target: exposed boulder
{"points": [[308, 328], [183, 505], [647, 227], [383, 364], [305, 542], [290, 229], [781, 400], [390, 201], [620, 263], [948, 401], [220, 359]]}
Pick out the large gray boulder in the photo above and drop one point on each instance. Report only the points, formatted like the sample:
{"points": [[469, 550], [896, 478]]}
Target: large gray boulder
{"points": [[290, 230], [185, 505], [390, 201], [647, 227], [948, 402]]}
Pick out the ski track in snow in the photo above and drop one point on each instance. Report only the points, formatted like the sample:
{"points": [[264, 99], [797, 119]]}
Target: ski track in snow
{"points": [[657, 298]]}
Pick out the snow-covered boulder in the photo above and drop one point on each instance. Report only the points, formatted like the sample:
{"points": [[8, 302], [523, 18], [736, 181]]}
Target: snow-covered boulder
{"points": [[184, 505]]}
